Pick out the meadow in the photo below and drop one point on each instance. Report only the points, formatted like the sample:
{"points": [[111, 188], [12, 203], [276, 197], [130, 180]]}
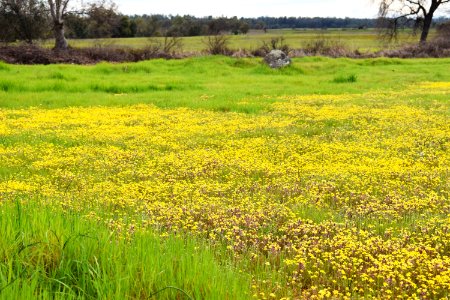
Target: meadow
{"points": [[220, 178], [365, 41]]}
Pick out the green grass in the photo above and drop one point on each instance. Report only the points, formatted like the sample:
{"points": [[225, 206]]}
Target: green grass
{"points": [[52, 255], [214, 83], [345, 79], [363, 40]]}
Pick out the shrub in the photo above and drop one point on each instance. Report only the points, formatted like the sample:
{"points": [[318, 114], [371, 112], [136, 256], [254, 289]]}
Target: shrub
{"points": [[276, 43], [25, 54], [436, 48], [30, 54], [327, 47], [241, 53], [168, 47], [109, 53], [443, 31], [217, 44]]}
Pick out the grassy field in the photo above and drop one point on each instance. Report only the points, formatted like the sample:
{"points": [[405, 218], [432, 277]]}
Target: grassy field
{"points": [[367, 40], [219, 178], [50, 254]]}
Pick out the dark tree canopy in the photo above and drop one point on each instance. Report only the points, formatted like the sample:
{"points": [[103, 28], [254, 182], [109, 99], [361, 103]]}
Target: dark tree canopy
{"points": [[23, 20], [396, 13]]}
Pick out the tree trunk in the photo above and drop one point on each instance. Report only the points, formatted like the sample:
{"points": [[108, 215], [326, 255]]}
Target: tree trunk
{"points": [[426, 28], [60, 40]]}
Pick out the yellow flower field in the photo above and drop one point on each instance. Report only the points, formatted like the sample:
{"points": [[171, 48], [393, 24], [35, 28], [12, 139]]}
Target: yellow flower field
{"points": [[343, 200]]}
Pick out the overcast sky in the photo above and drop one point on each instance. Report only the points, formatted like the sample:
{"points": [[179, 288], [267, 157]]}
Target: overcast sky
{"points": [[251, 8]]}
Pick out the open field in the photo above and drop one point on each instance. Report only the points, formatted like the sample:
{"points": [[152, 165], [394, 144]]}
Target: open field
{"points": [[363, 40], [327, 179]]}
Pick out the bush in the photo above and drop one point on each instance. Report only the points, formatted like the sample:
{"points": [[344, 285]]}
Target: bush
{"points": [[25, 54], [241, 53], [327, 47], [31, 54], [170, 46], [276, 43], [436, 48], [443, 31], [218, 45]]}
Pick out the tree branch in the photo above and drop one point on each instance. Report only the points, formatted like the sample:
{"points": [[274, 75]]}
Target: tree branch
{"points": [[52, 9]]}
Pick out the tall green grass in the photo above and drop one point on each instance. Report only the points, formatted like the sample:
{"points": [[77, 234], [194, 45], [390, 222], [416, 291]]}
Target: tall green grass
{"points": [[213, 83], [3, 66], [49, 254]]}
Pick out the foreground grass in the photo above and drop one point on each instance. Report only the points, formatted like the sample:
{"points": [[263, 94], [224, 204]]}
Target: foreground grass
{"points": [[212, 83], [328, 179], [48, 254]]}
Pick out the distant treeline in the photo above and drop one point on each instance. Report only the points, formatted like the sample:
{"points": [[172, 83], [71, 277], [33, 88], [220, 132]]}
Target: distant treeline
{"points": [[30, 20], [315, 23], [110, 25], [116, 25]]}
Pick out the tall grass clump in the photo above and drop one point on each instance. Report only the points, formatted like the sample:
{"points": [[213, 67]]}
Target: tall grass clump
{"points": [[54, 255], [346, 79], [3, 66], [6, 85]]}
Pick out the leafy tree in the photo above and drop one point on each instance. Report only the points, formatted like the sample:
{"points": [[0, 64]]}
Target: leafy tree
{"points": [[104, 20], [244, 27], [395, 13], [100, 19], [126, 27], [76, 26], [24, 20], [148, 25], [219, 25]]}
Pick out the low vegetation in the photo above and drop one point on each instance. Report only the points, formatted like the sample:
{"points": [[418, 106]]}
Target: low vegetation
{"points": [[50, 254], [325, 179], [361, 44]]}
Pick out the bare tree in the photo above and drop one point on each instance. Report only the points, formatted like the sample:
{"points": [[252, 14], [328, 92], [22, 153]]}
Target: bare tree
{"points": [[397, 12], [58, 9]]}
